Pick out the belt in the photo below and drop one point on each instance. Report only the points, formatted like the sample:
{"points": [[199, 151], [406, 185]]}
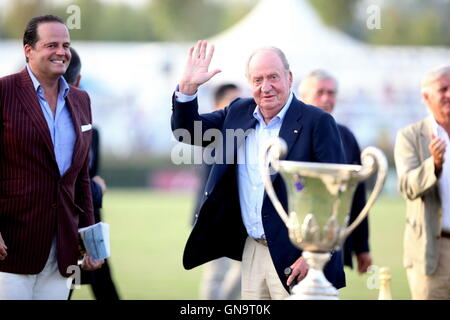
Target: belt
{"points": [[261, 241], [445, 234]]}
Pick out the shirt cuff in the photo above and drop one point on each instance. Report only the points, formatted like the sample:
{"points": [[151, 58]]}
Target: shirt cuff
{"points": [[180, 97]]}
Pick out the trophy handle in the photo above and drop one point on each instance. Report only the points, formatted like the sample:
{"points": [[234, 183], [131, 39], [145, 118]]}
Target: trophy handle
{"points": [[272, 156], [371, 159]]}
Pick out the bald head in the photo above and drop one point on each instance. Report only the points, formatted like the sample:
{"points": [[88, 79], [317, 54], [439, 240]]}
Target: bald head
{"points": [[276, 51]]}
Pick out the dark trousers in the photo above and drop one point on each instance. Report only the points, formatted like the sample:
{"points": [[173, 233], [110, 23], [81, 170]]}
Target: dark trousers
{"points": [[101, 283]]}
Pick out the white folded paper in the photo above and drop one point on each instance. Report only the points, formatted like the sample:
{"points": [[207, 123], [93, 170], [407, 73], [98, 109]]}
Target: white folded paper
{"points": [[96, 240]]}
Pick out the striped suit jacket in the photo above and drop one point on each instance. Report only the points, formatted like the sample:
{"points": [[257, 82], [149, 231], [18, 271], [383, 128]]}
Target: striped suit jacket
{"points": [[36, 202]]}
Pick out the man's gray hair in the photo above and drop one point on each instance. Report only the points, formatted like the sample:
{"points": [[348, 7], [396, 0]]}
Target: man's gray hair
{"points": [[271, 49], [434, 75], [314, 75]]}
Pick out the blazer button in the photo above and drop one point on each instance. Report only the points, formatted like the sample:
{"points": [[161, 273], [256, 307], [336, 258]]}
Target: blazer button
{"points": [[54, 205]]}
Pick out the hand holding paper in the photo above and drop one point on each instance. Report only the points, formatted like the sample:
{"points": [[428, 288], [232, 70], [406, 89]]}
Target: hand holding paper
{"points": [[89, 264], [96, 241]]}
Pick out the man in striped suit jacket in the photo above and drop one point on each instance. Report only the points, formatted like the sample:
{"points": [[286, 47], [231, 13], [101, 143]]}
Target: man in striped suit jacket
{"points": [[45, 135]]}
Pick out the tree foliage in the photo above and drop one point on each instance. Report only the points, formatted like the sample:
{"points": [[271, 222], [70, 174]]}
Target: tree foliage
{"points": [[156, 20], [404, 22], [413, 22]]}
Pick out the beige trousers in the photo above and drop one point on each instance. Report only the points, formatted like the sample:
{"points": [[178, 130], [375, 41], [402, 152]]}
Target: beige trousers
{"points": [[437, 285], [260, 280]]}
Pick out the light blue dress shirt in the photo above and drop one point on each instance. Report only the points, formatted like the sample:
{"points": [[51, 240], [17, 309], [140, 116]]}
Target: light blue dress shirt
{"points": [[60, 125], [250, 184]]}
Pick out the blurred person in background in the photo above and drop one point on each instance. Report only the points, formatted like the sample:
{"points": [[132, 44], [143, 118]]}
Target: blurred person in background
{"points": [[422, 159], [100, 280], [319, 88]]}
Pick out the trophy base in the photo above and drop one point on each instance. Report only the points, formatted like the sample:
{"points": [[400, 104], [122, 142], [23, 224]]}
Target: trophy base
{"points": [[315, 286]]}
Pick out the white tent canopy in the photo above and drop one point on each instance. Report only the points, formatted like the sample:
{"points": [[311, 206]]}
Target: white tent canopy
{"points": [[291, 25]]}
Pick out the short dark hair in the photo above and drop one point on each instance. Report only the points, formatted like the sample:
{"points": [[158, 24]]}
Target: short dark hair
{"points": [[74, 68], [222, 90], [30, 36]]}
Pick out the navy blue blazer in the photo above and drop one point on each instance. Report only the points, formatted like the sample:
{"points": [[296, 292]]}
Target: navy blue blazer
{"points": [[311, 135], [358, 240]]}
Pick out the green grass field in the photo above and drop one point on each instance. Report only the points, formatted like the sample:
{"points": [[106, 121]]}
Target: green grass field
{"points": [[149, 230]]}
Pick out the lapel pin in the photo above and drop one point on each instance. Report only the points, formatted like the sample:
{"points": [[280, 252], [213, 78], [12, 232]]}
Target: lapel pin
{"points": [[295, 131]]}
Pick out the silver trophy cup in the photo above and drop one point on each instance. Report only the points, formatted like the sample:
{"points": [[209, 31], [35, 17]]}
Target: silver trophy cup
{"points": [[319, 200]]}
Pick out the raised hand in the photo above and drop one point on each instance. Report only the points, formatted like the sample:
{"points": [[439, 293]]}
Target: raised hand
{"points": [[196, 69], [89, 264]]}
